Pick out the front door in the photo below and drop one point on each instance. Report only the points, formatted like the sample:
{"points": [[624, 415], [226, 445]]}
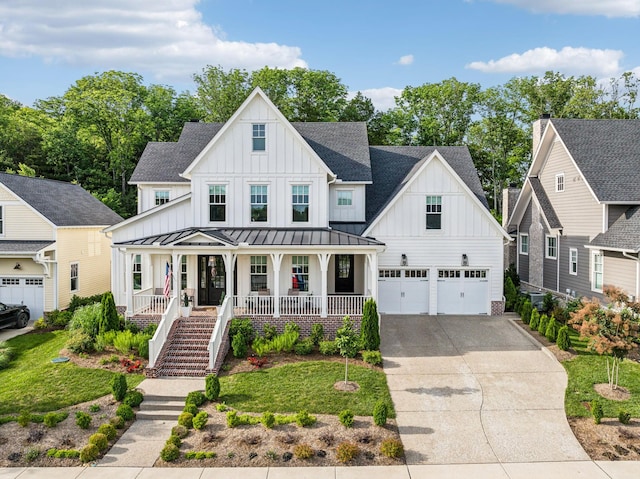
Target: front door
{"points": [[344, 273], [211, 280]]}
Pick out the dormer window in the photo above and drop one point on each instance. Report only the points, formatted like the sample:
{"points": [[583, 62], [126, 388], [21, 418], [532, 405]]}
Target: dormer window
{"points": [[560, 182], [345, 197], [259, 137], [162, 197]]}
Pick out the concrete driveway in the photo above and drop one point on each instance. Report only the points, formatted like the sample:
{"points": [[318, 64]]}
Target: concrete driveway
{"points": [[475, 389]]}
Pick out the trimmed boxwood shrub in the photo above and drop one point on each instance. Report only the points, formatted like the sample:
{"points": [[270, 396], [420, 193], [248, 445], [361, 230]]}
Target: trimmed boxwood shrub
{"points": [[169, 453], [196, 397], [119, 386], [347, 451], [108, 430], [125, 412], [563, 340], [200, 420], [118, 422], [392, 448], [317, 333], [191, 408], [304, 347], [328, 348], [380, 413], [89, 453], [186, 419], [179, 431], [175, 440], [100, 440], [83, 420], [346, 418], [372, 357], [239, 346], [596, 411], [133, 398], [212, 387], [268, 419]]}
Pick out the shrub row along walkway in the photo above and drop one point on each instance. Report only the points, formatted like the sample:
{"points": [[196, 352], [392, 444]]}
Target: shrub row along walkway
{"points": [[473, 390], [141, 444]]}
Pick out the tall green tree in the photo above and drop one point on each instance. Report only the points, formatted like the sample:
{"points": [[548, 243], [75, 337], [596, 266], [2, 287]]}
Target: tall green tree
{"points": [[220, 93]]}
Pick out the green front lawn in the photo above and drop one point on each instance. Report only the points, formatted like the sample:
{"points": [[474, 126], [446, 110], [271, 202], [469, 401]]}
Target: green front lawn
{"points": [[305, 385], [589, 368], [33, 383]]}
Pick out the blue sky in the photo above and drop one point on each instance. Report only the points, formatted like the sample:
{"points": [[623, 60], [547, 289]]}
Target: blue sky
{"points": [[375, 46]]}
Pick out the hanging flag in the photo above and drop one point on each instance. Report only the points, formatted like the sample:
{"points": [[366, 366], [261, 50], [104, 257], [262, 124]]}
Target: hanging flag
{"points": [[167, 281]]}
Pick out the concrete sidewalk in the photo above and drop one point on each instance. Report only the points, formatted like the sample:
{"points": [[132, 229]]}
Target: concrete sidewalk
{"points": [[543, 470]]}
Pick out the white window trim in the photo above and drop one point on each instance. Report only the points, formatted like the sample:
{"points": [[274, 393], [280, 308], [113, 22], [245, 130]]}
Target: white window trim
{"points": [[441, 204], [546, 247], [520, 251], [291, 186], [254, 137], [226, 204], [595, 253], [3, 223], [560, 176], [571, 262], [161, 190], [77, 276], [344, 190], [268, 204]]}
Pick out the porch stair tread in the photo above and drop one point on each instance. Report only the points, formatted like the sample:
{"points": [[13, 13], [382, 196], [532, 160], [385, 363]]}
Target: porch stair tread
{"points": [[185, 353]]}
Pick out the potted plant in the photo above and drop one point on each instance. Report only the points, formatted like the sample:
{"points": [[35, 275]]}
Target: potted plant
{"points": [[185, 309]]}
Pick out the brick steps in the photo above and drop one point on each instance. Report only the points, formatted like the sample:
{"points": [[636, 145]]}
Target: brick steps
{"points": [[186, 354]]}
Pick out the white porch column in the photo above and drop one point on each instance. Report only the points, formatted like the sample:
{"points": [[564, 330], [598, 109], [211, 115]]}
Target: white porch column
{"points": [[175, 260], [229, 259], [128, 281], [372, 259], [276, 259], [323, 258]]}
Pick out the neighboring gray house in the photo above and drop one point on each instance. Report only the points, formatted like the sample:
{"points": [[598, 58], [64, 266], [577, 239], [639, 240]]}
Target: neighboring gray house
{"points": [[577, 219]]}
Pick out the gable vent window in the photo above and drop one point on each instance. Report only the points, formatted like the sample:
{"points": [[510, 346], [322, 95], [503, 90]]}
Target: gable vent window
{"points": [[434, 212], [560, 182], [259, 137]]}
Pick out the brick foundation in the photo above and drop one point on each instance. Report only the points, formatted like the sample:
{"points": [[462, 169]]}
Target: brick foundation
{"points": [[330, 324]]}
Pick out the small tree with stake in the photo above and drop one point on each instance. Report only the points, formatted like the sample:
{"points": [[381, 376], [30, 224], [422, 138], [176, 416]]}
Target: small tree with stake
{"points": [[347, 341], [611, 330]]}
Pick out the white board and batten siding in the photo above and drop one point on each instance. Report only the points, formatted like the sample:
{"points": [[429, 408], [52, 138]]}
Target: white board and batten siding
{"points": [[286, 161], [147, 194], [353, 212], [466, 229]]}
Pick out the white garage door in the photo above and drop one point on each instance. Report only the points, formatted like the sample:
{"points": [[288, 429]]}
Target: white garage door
{"points": [[403, 291], [463, 291], [28, 291]]}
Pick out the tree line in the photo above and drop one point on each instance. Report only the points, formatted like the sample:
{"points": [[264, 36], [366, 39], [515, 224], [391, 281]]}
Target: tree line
{"points": [[95, 132]]}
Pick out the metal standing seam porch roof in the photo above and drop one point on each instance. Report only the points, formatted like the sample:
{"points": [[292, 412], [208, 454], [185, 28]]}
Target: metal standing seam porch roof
{"points": [[257, 237]]}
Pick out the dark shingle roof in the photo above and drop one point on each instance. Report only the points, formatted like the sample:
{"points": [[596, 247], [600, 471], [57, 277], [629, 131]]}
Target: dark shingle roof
{"points": [[64, 204], [7, 246], [545, 204], [623, 234], [607, 153], [342, 146], [393, 167], [262, 237]]}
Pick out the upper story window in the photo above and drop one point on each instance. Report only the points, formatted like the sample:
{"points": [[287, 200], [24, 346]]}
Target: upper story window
{"points": [[300, 202], [259, 203], [524, 243], [217, 203], [560, 182], [259, 137], [552, 247], [74, 285], [434, 212], [1, 220], [345, 197], [162, 197]]}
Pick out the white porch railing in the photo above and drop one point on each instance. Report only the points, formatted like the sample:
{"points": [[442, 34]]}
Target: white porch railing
{"points": [[150, 304], [162, 333], [225, 313], [345, 305], [301, 305]]}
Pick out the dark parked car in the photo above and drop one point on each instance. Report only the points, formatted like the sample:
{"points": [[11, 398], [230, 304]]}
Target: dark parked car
{"points": [[14, 315]]}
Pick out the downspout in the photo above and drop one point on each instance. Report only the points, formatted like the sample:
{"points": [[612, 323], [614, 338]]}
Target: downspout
{"points": [[637, 260], [558, 265]]}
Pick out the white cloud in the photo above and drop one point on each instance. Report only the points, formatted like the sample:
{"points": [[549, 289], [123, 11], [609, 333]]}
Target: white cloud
{"points": [[405, 60], [382, 98], [164, 37], [569, 60], [607, 8]]}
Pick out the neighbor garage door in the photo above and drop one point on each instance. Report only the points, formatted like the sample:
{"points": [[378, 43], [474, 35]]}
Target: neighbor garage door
{"points": [[28, 291], [463, 291], [403, 291]]}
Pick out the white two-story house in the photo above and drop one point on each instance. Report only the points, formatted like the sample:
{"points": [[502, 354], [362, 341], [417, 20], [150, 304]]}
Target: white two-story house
{"points": [[264, 212]]}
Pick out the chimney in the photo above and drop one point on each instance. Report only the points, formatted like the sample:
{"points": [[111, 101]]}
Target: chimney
{"points": [[509, 198], [538, 129]]}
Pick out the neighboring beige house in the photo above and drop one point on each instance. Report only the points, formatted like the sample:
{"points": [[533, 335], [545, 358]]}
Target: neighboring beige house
{"points": [[577, 218], [51, 245]]}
